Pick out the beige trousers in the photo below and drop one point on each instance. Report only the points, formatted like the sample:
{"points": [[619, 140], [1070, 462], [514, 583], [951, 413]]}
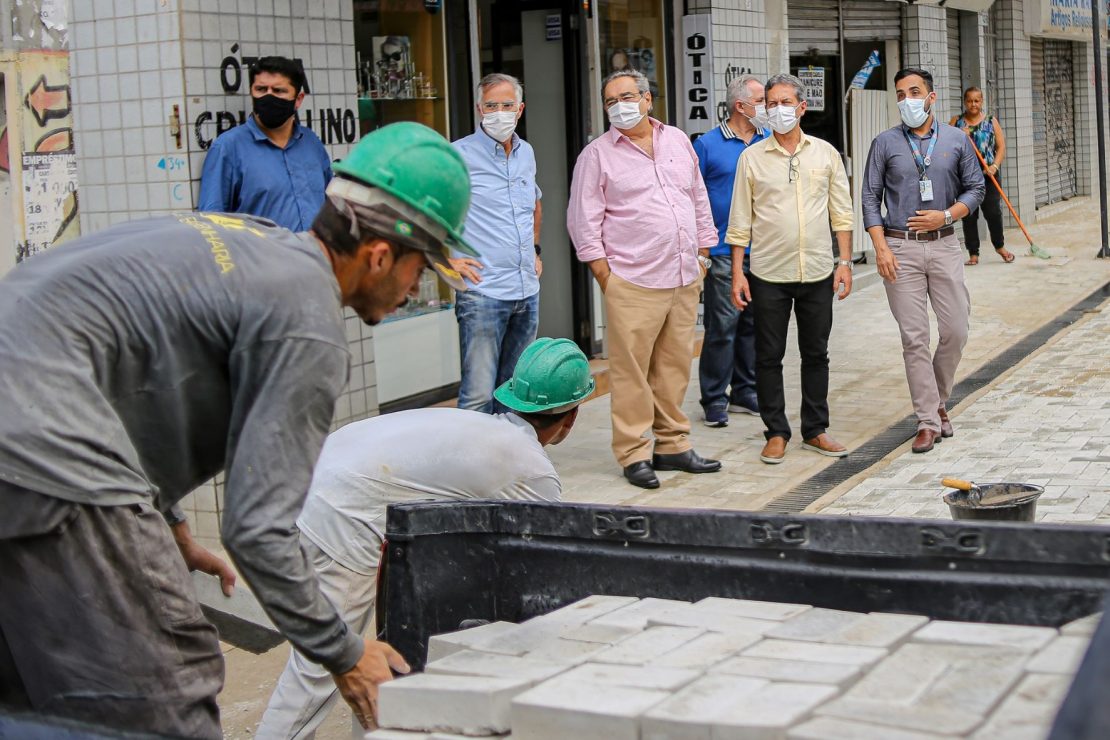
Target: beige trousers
{"points": [[930, 272], [651, 346]]}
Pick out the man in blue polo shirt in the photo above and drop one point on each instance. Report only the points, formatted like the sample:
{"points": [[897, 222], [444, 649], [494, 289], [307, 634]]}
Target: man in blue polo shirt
{"points": [[499, 313], [728, 351], [271, 166]]}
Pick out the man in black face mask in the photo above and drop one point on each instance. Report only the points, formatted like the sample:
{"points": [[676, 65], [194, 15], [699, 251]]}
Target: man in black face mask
{"points": [[272, 166]]}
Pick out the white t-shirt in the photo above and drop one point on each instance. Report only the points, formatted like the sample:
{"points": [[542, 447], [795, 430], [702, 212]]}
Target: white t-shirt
{"points": [[437, 454]]}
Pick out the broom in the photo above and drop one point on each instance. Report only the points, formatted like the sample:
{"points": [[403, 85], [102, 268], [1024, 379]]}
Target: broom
{"points": [[1033, 248]]}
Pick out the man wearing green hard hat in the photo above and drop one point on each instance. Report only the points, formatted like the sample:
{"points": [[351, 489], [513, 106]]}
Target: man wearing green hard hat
{"points": [[438, 454], [145, 359]]}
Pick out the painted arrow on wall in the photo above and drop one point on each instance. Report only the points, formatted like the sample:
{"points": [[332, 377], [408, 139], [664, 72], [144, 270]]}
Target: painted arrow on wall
{"points": [[47, 101]]}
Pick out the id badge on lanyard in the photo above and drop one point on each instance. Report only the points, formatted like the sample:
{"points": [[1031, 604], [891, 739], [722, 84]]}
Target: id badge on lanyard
{"points": [[924, 185]]}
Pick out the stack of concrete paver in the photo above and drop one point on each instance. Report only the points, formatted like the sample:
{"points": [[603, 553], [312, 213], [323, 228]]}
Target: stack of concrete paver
{"points": [[617, 668]]}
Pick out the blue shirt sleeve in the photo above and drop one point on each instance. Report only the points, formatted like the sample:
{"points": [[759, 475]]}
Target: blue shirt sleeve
{"points": [[703, 160], [871, 195], [972, 182], [219, 180]]}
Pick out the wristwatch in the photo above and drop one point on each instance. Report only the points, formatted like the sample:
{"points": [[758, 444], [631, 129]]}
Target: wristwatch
{"points": [[538, 249], [947, 218], [705, 262], [845, 263]]}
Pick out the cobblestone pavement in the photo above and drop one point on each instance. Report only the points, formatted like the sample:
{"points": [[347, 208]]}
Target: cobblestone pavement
{"points": [[1047, 422], [868, 389]]}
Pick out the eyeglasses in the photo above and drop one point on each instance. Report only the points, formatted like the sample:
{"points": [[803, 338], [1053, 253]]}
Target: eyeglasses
{"points": [[628, 97], [793, 163], [494, 107]]}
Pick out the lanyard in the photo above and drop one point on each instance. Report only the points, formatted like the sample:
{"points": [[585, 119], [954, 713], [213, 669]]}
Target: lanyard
{"points": [[922, 163]]}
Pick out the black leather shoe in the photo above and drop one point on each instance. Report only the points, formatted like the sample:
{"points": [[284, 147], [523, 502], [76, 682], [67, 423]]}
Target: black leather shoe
{"points": [[640, 474], [689, 461]]}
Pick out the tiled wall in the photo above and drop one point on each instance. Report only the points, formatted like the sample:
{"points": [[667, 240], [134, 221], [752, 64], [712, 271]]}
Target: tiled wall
{"points": [[1012, 107], [925, 45], [134, 60]]}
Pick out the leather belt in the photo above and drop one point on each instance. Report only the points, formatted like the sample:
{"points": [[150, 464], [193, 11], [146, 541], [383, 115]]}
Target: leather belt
{"points": [[921, 236]]}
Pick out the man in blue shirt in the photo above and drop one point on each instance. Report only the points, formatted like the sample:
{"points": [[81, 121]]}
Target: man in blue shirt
{"points": [[728, 350], [499, 312], [271, 166]]}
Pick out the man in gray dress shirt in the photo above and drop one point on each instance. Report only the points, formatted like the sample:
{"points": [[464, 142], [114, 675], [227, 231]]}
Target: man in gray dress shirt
{"points": [[929, 177]]}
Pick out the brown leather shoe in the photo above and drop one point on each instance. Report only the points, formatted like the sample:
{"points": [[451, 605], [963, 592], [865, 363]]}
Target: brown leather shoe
{"points": [[825, 445], [945, 425], [774, 451], [925, 440]]}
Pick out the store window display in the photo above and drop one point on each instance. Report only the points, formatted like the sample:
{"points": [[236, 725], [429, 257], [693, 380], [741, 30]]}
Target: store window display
{"points": [[631, 37]]}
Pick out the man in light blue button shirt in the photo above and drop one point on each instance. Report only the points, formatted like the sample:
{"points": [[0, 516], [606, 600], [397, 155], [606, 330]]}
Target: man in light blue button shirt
{"points": [[499, 312]]}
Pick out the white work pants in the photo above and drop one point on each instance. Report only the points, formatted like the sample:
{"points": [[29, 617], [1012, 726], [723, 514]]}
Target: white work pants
{"points": [[305, 692]]}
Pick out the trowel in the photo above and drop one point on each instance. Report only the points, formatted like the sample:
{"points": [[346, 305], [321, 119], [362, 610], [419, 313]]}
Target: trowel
{"points": [[972, 493]]}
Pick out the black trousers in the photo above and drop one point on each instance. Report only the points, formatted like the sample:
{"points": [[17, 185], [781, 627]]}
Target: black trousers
{"points": [[99, 623], [812, 306], [992, 211]]}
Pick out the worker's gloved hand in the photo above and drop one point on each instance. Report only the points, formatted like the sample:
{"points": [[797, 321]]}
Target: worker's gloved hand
{"points": [[198, 557], [359, 686]]}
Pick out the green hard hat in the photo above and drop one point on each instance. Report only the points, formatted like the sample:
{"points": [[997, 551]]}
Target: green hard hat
{"points": [[551, 375], [421, 169]]}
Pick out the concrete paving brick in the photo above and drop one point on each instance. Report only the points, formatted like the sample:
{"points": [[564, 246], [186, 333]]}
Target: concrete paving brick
{"points": [[648, 645], [816, 652], [605, 634], [1015, 636], [475, 663], [688, 714], [1029, 710], [707, 650], [566, 652], [849, 628], [827, 728], [632, 676], [1063, 655], [796, 671], [1082, 626], [636, 615], [468, 705], [584, 610], [750, 609], [931, 687], [560, 710], [692, 616], [440, 646]]}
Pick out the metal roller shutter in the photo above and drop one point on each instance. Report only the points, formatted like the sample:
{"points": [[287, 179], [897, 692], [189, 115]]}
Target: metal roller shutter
{"points": [[955, 74], [813, 25], [869, 20], [1040, 138], [1059, 104]]}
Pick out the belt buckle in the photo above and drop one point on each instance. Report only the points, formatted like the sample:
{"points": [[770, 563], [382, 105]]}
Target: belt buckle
{"points": [[917, 237]]}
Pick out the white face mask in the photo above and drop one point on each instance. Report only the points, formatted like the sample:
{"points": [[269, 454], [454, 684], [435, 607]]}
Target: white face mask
{"points": [[625, 115], [782, 118], [913, 111], [760, 119], [500, 125]]}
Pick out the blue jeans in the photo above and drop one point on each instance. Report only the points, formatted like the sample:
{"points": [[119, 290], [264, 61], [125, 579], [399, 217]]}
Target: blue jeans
{"points": [[492, 335], [728, 350]]}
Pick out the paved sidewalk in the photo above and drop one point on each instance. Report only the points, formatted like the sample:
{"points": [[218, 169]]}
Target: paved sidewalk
{"points": [[868, 389], [1047, 422]]}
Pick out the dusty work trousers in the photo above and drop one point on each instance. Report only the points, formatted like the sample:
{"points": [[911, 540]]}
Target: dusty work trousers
{"points": [[930, 272], [99, 623], [305, 692], [651, 346]]}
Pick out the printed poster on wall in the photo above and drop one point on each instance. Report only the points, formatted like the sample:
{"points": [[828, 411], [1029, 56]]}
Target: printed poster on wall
{"points": [[699, 112], [813, 85]]}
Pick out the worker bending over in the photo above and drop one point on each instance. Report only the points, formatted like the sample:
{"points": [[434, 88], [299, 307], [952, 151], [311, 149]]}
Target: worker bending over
{"points": [[438, 454], [141, 361]]}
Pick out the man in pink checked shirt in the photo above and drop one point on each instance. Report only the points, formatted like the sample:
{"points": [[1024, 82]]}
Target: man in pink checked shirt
{"points": [[639, 217]]}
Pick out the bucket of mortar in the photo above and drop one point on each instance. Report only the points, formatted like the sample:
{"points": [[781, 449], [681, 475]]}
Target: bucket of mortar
{"points": [[1004, 502]]}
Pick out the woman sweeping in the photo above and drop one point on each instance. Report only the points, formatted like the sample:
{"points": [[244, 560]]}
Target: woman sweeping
{"points": [[987, 134]]}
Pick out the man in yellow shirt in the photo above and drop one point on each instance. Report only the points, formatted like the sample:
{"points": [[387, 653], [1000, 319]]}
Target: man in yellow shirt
{"points": [[789, 190]]}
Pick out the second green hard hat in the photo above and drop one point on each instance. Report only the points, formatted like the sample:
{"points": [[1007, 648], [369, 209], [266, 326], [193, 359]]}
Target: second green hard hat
{"points": [[551, 375], [421, 169]]}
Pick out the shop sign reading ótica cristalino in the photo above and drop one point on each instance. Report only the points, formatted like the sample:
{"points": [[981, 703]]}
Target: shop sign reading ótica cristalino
{"points": [[332, 125]]}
